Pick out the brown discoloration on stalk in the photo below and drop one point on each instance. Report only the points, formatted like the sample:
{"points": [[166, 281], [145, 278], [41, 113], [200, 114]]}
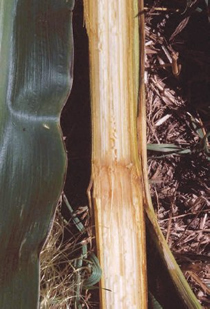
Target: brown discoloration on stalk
{"points": [[117, 193], [120, 231]]}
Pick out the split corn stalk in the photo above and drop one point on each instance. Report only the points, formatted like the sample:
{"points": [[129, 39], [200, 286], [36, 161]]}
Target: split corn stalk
{"points": [[117, 192]]}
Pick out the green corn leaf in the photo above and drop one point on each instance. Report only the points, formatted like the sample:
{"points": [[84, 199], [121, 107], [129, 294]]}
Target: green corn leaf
{"points": [[196, 126], [169, 149], [96, 272], [154, 304], [90, 259], [36, 57]]}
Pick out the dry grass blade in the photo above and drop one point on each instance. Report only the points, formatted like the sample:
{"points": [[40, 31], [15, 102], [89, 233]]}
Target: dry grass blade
{"points": [[180, 27], [57, 285], [59, 272]]}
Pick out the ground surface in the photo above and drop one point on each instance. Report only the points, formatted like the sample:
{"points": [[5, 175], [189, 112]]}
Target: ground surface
{"points": [[178, 112]]}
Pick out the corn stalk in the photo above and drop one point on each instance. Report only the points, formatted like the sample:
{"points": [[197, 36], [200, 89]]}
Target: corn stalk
{"points": [[117, 192]]}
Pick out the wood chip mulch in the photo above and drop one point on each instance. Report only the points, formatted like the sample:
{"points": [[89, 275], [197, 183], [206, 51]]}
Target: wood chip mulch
{"points": [[177, 77]]}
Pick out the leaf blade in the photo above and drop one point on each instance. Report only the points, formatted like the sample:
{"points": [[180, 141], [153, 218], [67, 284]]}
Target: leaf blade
{"points": [[36, 53]]}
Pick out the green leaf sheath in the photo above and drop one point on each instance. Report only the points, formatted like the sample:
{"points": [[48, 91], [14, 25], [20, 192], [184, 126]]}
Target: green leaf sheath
{"points": [[36, 59]]}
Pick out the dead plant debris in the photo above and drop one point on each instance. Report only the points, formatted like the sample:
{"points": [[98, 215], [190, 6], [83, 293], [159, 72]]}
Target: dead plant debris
{"points": [[178, 33], [62, 276]]}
